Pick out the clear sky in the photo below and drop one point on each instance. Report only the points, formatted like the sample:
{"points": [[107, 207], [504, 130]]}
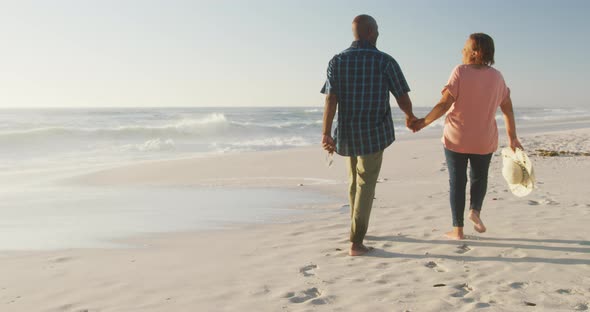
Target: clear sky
{"points": [[166, 53]]}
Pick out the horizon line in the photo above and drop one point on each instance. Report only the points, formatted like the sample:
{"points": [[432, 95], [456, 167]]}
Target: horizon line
{"points": [[222, 106]]}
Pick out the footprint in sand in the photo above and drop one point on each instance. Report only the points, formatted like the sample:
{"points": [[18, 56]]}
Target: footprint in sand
{"points": [[70, 307], [433, 265], [319, 301], [581, 307], [564, 291], [462, 249], [308, 270], [533, 203], [550, 202], [306, 295], [518, 285], [462, 290], [60, 259], [382, 265], [264, 291], [381, 281]]}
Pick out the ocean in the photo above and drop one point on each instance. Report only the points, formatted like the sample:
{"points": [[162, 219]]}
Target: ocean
{"points": [[41, 146], [63, 139], [85, 138]]}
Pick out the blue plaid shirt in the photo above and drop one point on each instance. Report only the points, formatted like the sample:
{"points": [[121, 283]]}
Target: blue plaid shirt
{"points": [[362, 77]]}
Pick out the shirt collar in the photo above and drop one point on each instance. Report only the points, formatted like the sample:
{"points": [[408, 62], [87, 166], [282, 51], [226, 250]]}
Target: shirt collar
{"points": [[362, 44]]}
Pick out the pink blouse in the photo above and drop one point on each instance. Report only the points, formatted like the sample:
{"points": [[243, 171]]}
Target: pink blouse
{"points": [[470, 125]]}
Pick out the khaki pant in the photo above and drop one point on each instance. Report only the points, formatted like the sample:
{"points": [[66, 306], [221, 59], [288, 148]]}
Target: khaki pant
{"points": [[363, 172]]}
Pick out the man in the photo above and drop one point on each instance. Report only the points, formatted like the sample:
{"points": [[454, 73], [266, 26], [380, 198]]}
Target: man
{"points": [[359, 81]]}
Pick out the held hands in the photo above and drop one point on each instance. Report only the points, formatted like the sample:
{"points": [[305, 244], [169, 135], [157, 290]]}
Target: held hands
{"points": [[410, 119], [328, 143], [416, 124]]}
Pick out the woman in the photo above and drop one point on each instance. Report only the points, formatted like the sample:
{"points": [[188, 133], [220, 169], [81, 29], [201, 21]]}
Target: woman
{"points": [[471, 97]]}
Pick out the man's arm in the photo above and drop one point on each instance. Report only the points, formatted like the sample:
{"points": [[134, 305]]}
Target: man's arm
{"points": [[506, 107], [329, 113], [405, 104]]}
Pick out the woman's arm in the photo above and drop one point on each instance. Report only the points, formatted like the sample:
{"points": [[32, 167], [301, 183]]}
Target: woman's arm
{"points": [[506, 107], [438, 110]]}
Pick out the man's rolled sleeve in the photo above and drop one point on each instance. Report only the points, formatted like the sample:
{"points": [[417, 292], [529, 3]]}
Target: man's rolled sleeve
{"points": [[329, 85], [396, 81], [327, 88]]}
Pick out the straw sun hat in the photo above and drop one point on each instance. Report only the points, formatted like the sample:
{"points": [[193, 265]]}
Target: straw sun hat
{"points": [[518, 171]]}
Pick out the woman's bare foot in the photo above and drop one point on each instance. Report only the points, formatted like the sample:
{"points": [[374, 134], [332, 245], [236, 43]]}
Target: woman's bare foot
{"points": [[456, 233], [477, 223], [358, 249]]}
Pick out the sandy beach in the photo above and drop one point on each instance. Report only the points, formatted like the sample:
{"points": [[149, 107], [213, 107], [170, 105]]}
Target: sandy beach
{"points": [[534, 257]]}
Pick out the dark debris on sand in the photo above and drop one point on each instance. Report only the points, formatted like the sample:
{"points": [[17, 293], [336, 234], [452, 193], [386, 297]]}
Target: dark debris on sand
{"points": [[552, 153]]}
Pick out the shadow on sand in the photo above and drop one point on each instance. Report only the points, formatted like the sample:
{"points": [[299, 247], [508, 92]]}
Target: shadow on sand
{"points": [[538, 244]]}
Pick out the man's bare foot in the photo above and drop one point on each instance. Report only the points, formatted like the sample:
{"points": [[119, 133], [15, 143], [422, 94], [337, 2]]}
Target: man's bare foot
{"points": [[456, 233], [358, 250], [477, 223]]}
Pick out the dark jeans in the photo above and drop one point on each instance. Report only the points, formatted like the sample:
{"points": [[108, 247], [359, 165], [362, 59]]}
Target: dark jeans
{"points": [[478, 175]]}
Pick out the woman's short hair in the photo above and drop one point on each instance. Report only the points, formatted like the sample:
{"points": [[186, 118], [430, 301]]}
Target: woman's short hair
{"points": [[484, 44]]}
